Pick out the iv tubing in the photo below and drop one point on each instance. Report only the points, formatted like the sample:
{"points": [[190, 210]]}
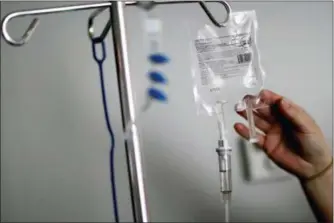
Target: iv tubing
{"points": [[221, 123], [226, 200], [111, 133], [224, 159]]}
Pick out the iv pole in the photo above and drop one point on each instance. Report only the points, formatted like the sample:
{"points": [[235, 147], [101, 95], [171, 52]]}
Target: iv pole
{"points": [[128, 113], [132, 146]]}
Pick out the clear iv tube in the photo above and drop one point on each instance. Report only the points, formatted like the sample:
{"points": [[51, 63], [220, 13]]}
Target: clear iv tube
{"points": [[227, 211], [224, 158], [221, 123]]}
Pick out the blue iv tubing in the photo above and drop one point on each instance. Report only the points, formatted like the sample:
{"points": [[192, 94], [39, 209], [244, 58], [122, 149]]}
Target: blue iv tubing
{"points": [[105, 108]]}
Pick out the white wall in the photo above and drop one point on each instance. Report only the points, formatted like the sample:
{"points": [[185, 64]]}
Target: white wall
{"points": [[54, 144]]}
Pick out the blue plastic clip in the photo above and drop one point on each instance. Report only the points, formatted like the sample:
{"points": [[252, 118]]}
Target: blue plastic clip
{"points": [[157, 77], [157, 94], [158, 58]]}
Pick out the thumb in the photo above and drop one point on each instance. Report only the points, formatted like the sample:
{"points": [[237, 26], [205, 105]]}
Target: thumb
{"points": [[296, 115]]}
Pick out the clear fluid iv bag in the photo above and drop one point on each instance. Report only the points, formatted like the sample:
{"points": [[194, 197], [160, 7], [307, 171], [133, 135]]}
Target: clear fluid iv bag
{"points": [[226, 65]]}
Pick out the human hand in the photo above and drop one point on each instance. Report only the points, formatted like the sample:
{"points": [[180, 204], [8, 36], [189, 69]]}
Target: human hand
{"points": [[290, 137]]}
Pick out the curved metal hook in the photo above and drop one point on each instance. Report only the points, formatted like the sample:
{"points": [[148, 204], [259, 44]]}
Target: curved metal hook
{"points": [[27, 34], [33, 25], [210, 15], [147, 5], [31, 28], [150, 4], [91, 27]]}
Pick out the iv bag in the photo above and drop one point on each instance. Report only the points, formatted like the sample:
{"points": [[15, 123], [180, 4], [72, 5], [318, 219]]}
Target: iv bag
{"points": [[226, 63]]}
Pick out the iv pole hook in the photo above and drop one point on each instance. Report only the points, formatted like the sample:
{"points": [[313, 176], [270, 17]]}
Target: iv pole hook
{"points": [[33, 25], [227, 7], [91, 27], [25, 37]]}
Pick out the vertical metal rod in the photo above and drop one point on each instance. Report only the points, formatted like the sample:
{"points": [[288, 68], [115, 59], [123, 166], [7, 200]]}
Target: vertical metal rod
{"points": [[132, 145]]}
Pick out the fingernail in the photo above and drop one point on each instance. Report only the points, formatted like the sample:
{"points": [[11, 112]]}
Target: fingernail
{"points": [[286, 103], [238, 126]]}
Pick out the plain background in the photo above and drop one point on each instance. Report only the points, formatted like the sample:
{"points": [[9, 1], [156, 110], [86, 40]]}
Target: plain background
{"points": [[54, 144]]}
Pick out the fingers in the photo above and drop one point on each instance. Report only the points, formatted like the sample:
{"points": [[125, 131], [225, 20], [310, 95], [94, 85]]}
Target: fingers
{"points": [[287, 159], [282, 156], [297, 116], [243, 131], [260, 123], [294, 113], [278, 107], [269, 97], [262, 106]]}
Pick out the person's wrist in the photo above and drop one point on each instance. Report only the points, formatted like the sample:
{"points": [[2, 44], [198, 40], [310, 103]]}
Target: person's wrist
{"points": [[319, 192], [321, 176], [319, 159]]}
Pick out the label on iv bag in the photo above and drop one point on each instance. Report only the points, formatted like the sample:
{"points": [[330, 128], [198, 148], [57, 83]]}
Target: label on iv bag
{"points": [[223, 57]]}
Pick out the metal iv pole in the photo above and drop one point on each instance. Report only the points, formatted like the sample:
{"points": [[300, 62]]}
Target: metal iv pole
{"points": [[132, 147], [133, 151]]}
